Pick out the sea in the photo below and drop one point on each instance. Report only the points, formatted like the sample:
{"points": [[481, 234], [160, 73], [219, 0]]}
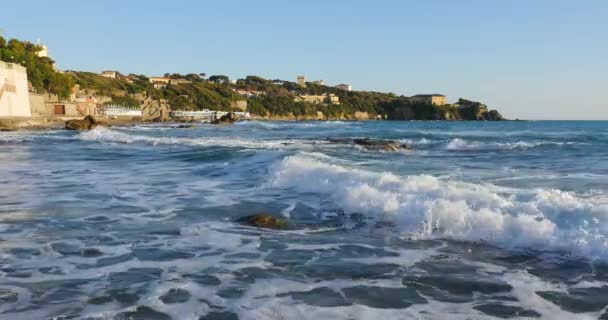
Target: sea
{"points": [[479, 220]]}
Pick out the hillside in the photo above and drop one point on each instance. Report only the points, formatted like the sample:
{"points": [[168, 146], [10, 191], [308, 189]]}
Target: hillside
{"points": [[265, 98]]}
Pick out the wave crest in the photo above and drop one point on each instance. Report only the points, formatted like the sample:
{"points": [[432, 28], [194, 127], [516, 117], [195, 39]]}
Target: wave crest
{"points": [[427, 207]]}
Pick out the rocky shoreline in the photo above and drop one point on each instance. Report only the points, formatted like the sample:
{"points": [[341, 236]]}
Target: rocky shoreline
{"points": [[52, 123]]}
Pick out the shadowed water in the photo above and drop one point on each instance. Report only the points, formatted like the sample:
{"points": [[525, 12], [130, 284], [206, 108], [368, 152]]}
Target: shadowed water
{"points": [[478, 221]]}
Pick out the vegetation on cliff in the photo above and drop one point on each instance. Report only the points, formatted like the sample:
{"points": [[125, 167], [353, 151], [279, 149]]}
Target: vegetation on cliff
{"points": [[40, 70], [274, 98]]}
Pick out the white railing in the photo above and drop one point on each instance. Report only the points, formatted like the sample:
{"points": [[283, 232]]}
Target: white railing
{"points": [[118, 110], [194, 114], [206, 114]]}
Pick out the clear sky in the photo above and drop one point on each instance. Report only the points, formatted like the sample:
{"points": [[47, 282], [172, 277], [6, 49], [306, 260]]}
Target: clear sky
{"points": [[532, 59]]}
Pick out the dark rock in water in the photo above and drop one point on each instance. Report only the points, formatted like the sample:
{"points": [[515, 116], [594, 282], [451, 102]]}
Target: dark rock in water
{"points": [[175, 295], [90, 252], [340, 140], [264, 221], [186, 126], [203, 279], [100, 300], [386, 145], [503, 311], [7, 296], [229, 118], [383, 297], [88, 123], [374, 144], [578, 299], [219, 315], [143, 313]]}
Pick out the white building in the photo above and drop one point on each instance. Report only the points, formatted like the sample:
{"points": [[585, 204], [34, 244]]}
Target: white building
{"points": [[43, 52], [120, 111], [345, 86], [301, 80], [109, 74], [14, 95]]}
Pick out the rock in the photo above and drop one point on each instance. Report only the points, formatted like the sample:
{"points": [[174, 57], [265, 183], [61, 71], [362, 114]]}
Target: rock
{"points": [[175, 295], [264, 221], [90, 252], [229, 118], [186, 126], [142, 313], [386, 145], [88, 123], [374, 144]]}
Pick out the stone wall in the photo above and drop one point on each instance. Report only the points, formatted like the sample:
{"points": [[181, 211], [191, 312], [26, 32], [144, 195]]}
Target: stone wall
{"points": [[14, 100]]}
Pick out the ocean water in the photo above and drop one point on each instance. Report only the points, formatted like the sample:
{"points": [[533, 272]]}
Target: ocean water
{"points": [[481, 220]]}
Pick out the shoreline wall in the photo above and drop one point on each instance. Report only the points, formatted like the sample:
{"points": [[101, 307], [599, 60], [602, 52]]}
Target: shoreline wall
{"points": [[14, 93]]}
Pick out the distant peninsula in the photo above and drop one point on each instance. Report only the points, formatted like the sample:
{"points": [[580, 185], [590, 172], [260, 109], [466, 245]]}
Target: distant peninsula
{"points": [[75, 94]]}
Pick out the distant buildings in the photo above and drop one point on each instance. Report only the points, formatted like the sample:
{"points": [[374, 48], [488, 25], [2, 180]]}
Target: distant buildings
{"points": [[301, 80], [344, 86], [249, 93], [109, 74], [160, 80], [14, 95], [318, 99], [319, 82], [159, 85], [430, 99], [179, 81], [120, 111], [43, 52]]}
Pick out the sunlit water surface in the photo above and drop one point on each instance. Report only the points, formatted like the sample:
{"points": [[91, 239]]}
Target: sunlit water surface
{"points": [[481, 220]]}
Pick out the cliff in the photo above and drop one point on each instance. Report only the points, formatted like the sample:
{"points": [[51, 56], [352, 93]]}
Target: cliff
{"points": [[404, 109]]}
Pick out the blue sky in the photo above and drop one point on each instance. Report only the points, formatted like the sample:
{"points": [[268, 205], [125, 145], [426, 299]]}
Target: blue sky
{"points": [[534, 59]]}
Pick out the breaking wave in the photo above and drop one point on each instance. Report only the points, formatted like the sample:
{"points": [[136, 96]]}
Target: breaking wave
{"points": [[424, 206], [102, 134], [457, 144]]}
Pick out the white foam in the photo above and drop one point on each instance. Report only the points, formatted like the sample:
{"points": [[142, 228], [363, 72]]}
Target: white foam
{"points": [[427, 207], [103, 134], [457, 144]]}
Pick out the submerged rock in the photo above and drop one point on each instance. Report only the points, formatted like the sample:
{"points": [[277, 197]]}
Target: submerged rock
{"points": [[229, 118], [143, 313], [88, 123], [374, 144], [264, 221], [175, 295], [386, 145]]}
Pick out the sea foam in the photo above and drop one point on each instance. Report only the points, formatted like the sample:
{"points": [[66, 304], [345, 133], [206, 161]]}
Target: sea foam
{"points": [[102, 134], [427, 207]]}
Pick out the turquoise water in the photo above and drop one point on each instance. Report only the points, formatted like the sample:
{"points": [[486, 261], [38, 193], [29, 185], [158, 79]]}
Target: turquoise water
{"points": [[481, 220]]}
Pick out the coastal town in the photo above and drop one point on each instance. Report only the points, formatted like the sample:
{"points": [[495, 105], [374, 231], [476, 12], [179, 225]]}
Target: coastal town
{"points": [[138, 98]]}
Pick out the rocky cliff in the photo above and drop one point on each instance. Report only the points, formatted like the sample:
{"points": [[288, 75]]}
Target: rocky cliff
{"points": [[463, 110]]}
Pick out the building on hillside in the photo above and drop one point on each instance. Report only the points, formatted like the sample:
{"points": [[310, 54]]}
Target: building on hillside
{"points": [[179, 81], [159, 85], [160, 80], [430, 99], [109, 74], [119, 111], [319, 82], [318, 99], [14, 93], [43, 52], [345, 86], [301, 80], [249, 93]]}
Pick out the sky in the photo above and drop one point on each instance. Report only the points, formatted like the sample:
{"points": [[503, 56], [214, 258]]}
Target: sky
{"points": [[532, 59]]}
